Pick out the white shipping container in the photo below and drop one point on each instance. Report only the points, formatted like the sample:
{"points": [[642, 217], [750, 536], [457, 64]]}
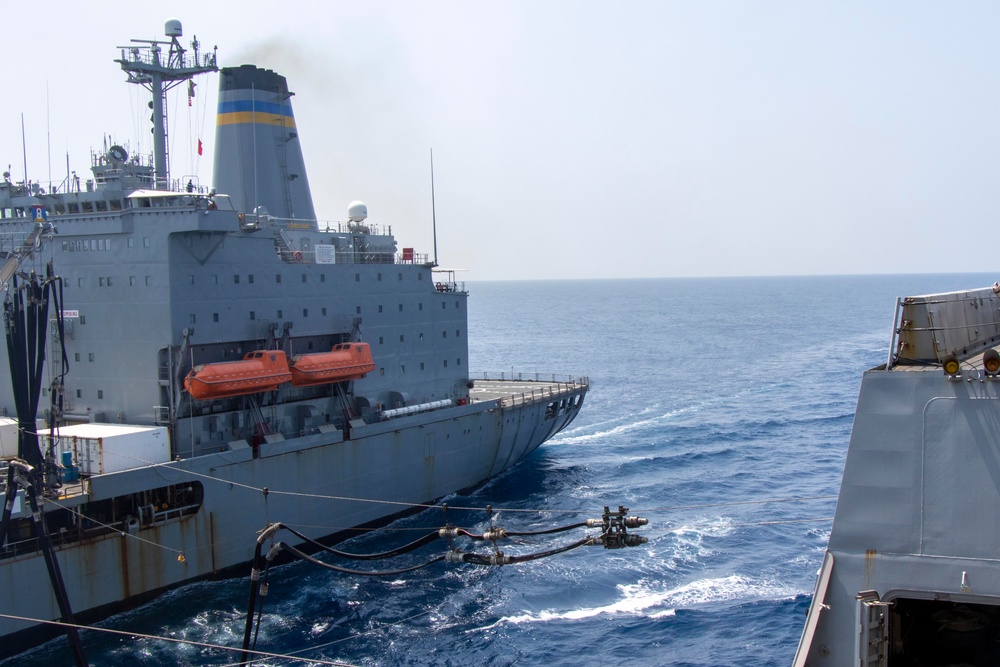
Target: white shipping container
{"points": [[8, 438], [102, 448]]}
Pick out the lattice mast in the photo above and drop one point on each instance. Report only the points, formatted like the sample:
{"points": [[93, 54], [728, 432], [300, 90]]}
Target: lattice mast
{"points": [[146, 66]]}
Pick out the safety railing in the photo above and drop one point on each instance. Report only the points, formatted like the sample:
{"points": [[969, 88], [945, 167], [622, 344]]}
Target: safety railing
{"points": [[546, 389]]}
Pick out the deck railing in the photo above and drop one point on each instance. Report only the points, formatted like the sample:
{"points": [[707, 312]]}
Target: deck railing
{"points": [[548, 389]]}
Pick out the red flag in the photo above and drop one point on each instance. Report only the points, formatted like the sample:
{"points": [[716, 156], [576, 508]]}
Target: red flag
{"points": [[199, 147]]}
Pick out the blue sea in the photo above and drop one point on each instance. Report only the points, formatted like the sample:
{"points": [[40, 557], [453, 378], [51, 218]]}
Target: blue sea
{"points": [[720, 410]]}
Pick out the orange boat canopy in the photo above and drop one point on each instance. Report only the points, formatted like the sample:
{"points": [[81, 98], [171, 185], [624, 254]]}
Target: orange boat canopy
{"points": [[346, 361], [261, 370]]}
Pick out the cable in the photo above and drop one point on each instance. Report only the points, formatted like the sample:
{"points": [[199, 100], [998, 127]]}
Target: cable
{"points": [[266, 491], [359, 635], [772, 523], [174, 640], [381, 573], [740, 502], [502, 559], [180, 554], [492, 535], [416, 544]]}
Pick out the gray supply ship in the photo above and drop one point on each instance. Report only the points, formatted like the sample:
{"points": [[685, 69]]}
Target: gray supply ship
{"points": [[911, 575], [218, 359]]}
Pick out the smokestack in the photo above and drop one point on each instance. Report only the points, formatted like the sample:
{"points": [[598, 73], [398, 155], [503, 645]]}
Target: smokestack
{"points": [[258, 158]]}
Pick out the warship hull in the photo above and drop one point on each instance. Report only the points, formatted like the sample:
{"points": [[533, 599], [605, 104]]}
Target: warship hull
{"points": [[320, 480], [912, 571], [145, 483]]}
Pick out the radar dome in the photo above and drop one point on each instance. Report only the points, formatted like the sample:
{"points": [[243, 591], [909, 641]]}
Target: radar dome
{"points": [[357, 211], [173, 28]]}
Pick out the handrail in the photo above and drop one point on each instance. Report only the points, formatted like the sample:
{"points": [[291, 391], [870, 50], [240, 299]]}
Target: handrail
{"points": [[550, 389]]}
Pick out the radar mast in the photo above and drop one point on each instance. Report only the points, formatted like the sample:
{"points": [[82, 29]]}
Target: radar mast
{"points": [[146, 66]]}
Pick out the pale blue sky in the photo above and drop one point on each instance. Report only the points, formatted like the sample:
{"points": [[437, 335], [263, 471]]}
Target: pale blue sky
{"points": [[581, 139]]}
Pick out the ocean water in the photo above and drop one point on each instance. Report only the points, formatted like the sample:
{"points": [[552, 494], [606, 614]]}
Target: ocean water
{"points": [[720, 410]]}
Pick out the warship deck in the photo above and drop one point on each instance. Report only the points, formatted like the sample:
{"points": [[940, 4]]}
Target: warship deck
{"points": [[513, 389]]}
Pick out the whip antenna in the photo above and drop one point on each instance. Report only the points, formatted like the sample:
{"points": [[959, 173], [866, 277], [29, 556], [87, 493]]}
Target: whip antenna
{"points": [[434, 211]]}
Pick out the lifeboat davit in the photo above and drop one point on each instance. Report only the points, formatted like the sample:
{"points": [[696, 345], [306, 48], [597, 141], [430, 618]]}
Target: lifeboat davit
{"points": [[262, 370], [346, 361]]}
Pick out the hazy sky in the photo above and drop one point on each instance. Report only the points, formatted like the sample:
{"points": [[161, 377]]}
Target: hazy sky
{"points": [[578, 139]]}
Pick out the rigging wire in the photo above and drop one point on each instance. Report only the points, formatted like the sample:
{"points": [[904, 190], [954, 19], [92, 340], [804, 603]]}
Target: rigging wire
{"points": [[357, 635], [179, 552], [189, 642], [614, 535], [780, 521], [266, 491], [416, 544], [294, 528], [365, 573], [171, 466], [738, 502]]}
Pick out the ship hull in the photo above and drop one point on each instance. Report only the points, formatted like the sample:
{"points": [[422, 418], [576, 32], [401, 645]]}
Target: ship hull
{"points": [[912, 569], [323, 482]]}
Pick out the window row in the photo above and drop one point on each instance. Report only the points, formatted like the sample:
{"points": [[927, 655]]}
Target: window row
{"points": [[378, 276], [78, 393], [107, 281], [420, 336], [420, 306], [91, 245], [402, 367], [214, 278]]}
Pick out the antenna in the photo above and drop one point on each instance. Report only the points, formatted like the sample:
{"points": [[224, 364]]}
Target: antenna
{"points": [[48, 131], [253, 125], [24, 151], [434, 211]]}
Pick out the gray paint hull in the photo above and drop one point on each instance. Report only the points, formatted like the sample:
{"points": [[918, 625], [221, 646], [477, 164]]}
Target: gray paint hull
{"points": [[333, 487], [915, 544]]}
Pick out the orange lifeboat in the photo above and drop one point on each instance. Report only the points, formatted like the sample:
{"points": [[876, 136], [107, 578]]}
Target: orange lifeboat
{"points": [[262, 370], [346, 361]]}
